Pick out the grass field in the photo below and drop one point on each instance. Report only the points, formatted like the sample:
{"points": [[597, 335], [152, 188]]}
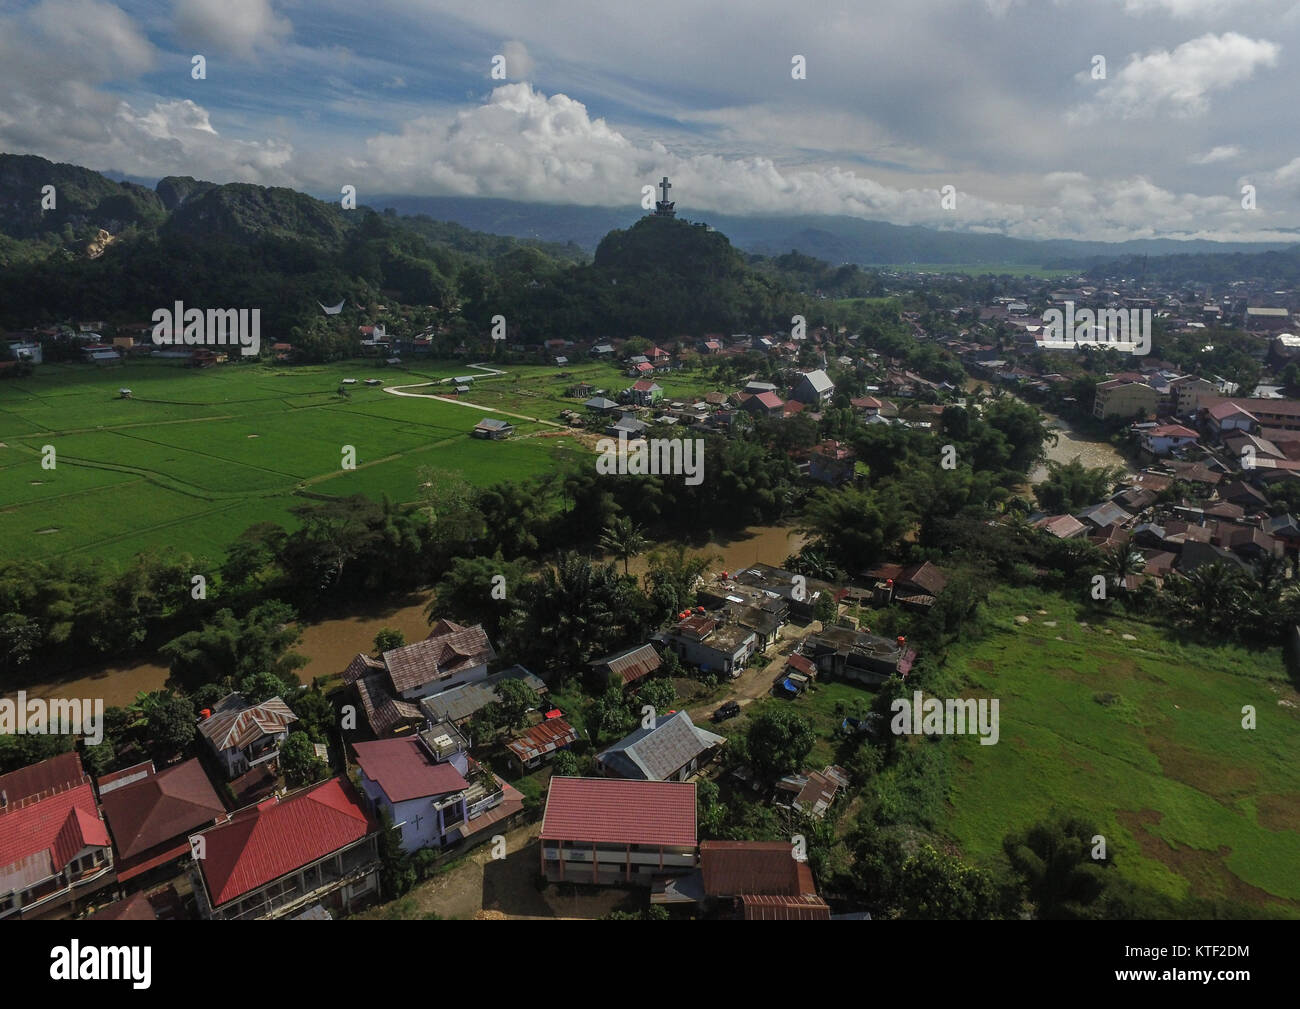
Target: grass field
{"points": [[1145, 737], [195, 457]]}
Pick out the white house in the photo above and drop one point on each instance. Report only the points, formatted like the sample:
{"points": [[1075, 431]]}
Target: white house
{"points": [[813, 387], [1167, 437], [433, 791]]}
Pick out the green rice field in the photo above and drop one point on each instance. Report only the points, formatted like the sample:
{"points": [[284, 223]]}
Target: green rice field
{"points": [[194, 457]]}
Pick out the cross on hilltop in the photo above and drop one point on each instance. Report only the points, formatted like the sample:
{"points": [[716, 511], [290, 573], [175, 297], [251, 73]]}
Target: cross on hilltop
{"points": [[664, 208]]}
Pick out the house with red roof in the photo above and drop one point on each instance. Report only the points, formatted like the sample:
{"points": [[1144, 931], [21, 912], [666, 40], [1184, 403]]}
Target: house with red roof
{"points": [[759, 881], [1226, 416], [318, 845], [766, 404], [151, 818], [432, 789], [1166, 438], [644, 392], [613, 831], [54, 847]]}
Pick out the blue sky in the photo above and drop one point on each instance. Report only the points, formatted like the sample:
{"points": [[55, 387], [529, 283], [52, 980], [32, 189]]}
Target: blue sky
{"points": [[993, 97]]}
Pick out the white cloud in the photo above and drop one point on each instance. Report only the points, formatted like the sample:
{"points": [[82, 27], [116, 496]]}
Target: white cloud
{"points": [[521, 144], [231, 27], [519, 64], [1224, 152], [1181, 8], [1178, 83]]}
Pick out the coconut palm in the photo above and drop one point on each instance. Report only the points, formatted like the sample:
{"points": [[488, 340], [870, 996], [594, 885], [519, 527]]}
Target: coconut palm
{"points": [[623, 539]]}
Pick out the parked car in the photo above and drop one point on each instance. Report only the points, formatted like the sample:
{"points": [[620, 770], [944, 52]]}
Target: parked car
{"points": [[729, 710]]}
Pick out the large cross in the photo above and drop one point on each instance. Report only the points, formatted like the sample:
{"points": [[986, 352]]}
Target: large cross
{"points": [[665, 186]]}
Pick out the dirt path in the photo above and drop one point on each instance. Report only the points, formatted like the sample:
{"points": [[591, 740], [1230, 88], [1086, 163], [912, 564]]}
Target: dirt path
{"points": [[756, 681], [482, 887], [398, 390]]}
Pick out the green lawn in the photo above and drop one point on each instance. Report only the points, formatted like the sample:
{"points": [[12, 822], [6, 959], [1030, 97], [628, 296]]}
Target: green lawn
{"points": [[195, 457], [1145, 737]]}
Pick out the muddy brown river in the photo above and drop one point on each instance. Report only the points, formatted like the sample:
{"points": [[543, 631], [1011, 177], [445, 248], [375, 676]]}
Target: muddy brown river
{"points": [[330, 644]]}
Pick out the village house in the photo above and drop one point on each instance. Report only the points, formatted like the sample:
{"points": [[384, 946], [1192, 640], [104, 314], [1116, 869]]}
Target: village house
{"points": [[758, 881], [450, 656], [813, 388], [615, 831], [432, 789], [915, 586], [1225, 416], [493, 428], [1167, 438], [721, 645], [459, 704], [151, 814], [242, 735], [812, 793], [644, 393], [858, 656], [54, 846], [764, 404], [672, 749], [540, 743], [274, 859], [629, 667], [832, 462]]}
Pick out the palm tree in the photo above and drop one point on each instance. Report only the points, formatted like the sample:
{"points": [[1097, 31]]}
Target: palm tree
{"points": [[624, 540], [1123, 562]]}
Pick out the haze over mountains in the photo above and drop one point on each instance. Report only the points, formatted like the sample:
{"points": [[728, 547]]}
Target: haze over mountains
{"points": [[834, 239]]}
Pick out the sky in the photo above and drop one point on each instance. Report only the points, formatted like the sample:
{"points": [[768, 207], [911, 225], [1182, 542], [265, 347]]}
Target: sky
{"points": [[1006, 101]]}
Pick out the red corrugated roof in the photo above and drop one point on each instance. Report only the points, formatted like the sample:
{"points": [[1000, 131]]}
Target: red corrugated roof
{"points": [[278, 836], [620, 812], [51, 775], [404, 769], [57, 826]]}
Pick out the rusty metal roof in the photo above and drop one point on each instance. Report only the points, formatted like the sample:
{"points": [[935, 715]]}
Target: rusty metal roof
{"points": [[542, 739], [235, 723]]}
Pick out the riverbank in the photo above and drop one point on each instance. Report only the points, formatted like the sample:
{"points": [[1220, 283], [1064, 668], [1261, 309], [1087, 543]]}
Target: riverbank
{"points": [[330, 644]]}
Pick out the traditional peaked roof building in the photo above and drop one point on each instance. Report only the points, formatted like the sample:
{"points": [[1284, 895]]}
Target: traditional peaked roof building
{"points": [[151, 818]]}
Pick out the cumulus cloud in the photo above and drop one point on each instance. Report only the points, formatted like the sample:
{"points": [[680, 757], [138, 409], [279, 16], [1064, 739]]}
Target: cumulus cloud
{"points": [[524, 145], [231, 27], [1178, 83]]}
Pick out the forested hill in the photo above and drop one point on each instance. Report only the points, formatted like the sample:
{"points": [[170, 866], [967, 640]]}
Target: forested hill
{"points": [[116, 251], [1281, 268]]}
